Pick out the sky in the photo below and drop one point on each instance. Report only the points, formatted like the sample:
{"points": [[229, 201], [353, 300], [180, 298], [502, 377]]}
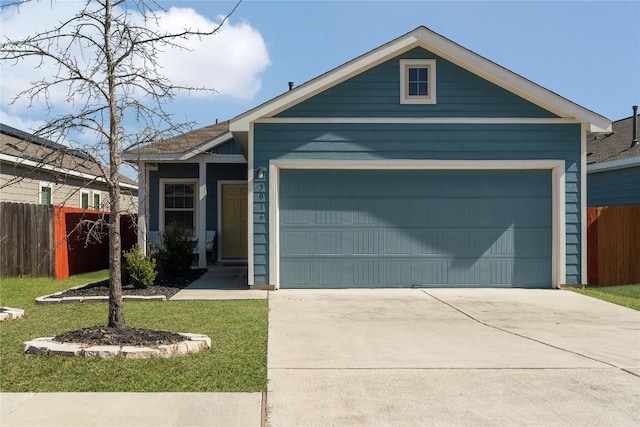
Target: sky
{"points": [[587, 52]]}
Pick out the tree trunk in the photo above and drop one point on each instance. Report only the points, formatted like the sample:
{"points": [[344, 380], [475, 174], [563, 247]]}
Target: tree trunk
{"points": [[116, 312]]}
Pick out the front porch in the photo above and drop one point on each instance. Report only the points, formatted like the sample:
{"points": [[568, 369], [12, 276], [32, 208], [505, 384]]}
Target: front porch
{"points": [[197, 181]]}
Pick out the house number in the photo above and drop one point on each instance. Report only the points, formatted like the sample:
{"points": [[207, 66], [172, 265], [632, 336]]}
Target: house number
{"points": [[261, 205]]}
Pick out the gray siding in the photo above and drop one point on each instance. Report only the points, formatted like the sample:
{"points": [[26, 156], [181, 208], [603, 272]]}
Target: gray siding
{"points": [[376, 93], [614, 187], [215, 172], [418, 141]]}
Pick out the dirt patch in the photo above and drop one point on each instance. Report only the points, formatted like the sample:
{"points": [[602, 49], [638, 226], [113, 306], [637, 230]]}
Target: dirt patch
{"points": [[102, 335], [167, 286]]}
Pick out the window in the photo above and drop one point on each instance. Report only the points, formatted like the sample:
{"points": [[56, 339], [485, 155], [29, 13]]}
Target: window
{"points": [[96, 200], [418, 81], [45, 193], [179, 204], [84, 200]]}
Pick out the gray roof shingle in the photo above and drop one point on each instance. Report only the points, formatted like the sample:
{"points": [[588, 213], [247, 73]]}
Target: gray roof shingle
{"points": [[615, 145]]}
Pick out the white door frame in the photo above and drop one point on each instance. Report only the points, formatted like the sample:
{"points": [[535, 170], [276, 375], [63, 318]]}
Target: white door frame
{"points": [[557, 168]]}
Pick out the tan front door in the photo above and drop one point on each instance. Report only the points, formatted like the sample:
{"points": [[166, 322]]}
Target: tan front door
{"points": [[234, 221]]}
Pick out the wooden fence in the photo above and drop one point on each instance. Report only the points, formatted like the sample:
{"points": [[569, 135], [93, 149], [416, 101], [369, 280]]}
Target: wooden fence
{"points": [[613, 245], [26, 240], [39, 240]]}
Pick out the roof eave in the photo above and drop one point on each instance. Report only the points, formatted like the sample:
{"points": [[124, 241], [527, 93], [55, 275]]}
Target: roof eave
{"points": [[132, 156], [628, 162]]}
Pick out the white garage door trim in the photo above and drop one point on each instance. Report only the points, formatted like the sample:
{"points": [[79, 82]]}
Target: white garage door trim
{"points": [[557, 168]]}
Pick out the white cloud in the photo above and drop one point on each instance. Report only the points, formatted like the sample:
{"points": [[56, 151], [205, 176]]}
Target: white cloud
{"points": [[229, 62], [18, 122]]}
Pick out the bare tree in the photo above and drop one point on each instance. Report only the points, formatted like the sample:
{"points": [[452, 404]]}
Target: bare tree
{"points": [[106, 59]]}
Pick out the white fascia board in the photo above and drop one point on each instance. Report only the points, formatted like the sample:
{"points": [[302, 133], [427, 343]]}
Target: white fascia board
{"points": [[209, 158], [629, 162], [69, 172], [447, 49]]}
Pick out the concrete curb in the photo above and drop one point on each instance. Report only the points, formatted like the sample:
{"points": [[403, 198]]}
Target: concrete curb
{"points": [[45, 346], [51, 298], [7, 314]]}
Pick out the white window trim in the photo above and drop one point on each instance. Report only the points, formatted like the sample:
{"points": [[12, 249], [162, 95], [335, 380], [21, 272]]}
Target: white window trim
{"points": [[557, 168], [405, 64], [83, 192], [93, 196], [163, 182], [41, 185]]}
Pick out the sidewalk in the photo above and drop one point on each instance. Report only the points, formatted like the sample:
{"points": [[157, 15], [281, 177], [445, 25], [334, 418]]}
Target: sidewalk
{"points": [[130, 409], [220, 283]]}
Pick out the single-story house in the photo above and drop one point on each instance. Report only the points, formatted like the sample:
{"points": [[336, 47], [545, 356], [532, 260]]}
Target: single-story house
{"points": [[417, 164], [38, 171], [613, 165]]}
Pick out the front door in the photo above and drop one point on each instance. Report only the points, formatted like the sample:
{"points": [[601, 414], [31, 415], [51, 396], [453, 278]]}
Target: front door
{"points": [[234, 221]]}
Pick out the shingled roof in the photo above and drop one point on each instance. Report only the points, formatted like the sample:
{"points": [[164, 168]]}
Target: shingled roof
{"points": [[615, 145], [27, 149], [183, 143]]}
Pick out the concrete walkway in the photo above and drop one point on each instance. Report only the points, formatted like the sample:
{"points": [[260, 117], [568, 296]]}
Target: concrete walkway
{"points": [[130, 409], [220, 283], [411, 357]]}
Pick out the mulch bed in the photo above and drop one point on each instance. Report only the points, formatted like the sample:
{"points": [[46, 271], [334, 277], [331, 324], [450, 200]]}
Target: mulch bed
{"points": [[167, 286], [102, 335]]}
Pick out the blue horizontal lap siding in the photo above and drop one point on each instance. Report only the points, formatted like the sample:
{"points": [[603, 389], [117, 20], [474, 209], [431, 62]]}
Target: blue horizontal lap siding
{"points": [[422, 141], [376, 93], [614, 187], [415, 228]]}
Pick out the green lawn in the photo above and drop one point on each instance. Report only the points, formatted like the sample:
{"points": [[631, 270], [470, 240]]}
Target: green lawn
{"points": [[236, 361], [626, 295]]}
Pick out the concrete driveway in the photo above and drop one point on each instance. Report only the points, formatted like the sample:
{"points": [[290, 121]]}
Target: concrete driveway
{"points": [[412, 357]]}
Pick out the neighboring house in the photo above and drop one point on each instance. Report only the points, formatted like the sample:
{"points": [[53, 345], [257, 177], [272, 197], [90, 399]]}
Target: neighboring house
{"points": [[613, 165], [418, 164], [35, 170]]}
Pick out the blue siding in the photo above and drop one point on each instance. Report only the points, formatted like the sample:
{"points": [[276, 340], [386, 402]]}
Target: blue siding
{"points": [[415, 229], [376, 93], [418, 141], [229, 147], [614, 187], [215, 172]]}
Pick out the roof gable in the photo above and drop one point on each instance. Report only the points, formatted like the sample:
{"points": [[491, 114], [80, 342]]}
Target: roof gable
{"points": [[444, 48], [376, 92]]}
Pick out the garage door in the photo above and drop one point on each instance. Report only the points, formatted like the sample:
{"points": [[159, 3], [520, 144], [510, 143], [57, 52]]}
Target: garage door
{"points": [[365, 229]]}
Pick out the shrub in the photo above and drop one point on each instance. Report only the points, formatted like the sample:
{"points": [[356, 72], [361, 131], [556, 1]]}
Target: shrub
{"points": [[141, 269], [176, 255]]}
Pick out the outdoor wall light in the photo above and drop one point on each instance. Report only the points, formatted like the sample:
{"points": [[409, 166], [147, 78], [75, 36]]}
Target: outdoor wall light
{"points": [[260, 173]]}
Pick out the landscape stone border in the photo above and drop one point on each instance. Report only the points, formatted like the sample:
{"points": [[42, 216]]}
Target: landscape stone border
{"points": [[51, 298], [45, 346], [7, 314]]}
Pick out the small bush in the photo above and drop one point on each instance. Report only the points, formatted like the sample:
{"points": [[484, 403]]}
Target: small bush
{"points": [[176, 255], [141, 269]]}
